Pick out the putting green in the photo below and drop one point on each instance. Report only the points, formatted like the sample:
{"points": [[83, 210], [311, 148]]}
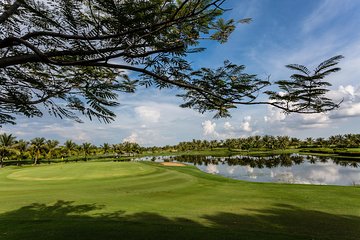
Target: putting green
{"points": [[73, 172]]}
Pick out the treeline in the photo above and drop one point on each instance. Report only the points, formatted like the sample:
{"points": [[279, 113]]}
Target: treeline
{"points": [[271, 142], [41, 149]]}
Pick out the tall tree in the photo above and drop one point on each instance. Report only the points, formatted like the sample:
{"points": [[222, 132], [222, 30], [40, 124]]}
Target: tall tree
{"points": [[72, 56], [22, 147], [106, 148], [69, 146], [7, 142], [86, 148], [38, 146], [50, 146]]}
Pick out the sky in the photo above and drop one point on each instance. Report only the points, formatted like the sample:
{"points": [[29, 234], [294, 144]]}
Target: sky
{"points": [[282, 32]]}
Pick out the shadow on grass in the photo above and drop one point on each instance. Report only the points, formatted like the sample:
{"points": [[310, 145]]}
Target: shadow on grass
{"points": [[65, 220]]}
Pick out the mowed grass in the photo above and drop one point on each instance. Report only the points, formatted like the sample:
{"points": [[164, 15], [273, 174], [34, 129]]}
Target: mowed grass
{"points": [[138, 200]]}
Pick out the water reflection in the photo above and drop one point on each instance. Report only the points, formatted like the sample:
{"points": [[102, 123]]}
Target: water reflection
{"points": [[285, 168]]}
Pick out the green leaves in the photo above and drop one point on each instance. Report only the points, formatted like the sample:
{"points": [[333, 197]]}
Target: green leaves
{"points": [[223, 29], [222, 89], [306, 92], [69, 56]]}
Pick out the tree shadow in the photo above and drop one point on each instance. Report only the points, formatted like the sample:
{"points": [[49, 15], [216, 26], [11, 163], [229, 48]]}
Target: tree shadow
{"points": [[66, 220]]}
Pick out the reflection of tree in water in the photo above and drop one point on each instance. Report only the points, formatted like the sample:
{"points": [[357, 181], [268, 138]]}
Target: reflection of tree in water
{"points": [[283, 160]]}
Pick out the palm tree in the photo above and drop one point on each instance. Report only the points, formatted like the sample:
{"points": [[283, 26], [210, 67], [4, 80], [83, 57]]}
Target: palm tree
{"points": [[320, 142], [309, 141], [86, 147], [283, 141], [22, 147], [6, 146], [50, 147], [69, 146], [294, 142], [38, 145], [106, 148]]}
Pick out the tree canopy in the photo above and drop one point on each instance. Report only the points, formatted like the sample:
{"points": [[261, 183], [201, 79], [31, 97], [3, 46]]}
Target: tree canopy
{"points": [[75, 56]]}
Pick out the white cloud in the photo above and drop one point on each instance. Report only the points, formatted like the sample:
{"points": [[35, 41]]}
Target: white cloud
{"points": [[133, 138], [209, 128], [274, 115], [347, 93], [246, 124], [148, 114], [228, 126], [212, 168], [347, 110], [350, 106]]}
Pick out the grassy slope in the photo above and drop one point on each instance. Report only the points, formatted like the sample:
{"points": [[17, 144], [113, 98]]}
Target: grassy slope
{"points": [[148, 201]]}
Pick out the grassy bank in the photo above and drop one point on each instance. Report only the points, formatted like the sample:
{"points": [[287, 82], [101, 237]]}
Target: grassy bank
{"points": [[135, 200]]}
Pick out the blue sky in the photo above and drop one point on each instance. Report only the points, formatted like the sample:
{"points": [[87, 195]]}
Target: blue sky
{"points": [[282, 32]]}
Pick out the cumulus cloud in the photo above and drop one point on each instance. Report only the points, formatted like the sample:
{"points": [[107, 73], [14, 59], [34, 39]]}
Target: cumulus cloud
{"points": [[209, 128], [230, 129], [212, 168], [347, 93], [228, 126], [246, 124], [350, 106], [347, 110], [133, 138], [274, 115]]}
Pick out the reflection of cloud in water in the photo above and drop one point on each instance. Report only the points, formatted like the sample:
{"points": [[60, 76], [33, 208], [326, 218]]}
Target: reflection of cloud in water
{"points": [[212, 168], [249, 169], [289, 177], [250, 172], [231, 170], [253, 176], [328, 174]]}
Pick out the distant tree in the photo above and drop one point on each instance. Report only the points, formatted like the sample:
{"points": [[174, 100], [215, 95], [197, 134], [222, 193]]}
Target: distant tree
{"points": [[38, 146], [69, 146], [106, 148], [283, 142], [309, 141], [22, 147], [130, 148], [86, 149], [320, 142], [72, 56], [50, 148], [295, 142], [7, 142]]}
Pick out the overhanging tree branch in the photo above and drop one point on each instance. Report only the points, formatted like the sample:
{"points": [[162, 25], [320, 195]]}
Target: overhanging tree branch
{"points": [[67, 58], [10, 11]]}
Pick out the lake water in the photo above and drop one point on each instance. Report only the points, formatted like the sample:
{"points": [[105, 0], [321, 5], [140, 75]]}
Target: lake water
{"points": [[287, 168]]}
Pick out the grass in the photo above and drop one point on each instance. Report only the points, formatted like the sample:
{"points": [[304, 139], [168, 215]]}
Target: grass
{"points": [[138, 200]]}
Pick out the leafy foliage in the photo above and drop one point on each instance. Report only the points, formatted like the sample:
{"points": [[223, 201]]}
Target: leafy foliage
{"points": [[306, 90], [74, 56]]}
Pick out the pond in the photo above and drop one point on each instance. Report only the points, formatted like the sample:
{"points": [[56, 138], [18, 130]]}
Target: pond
{"points": [[286, 168]]}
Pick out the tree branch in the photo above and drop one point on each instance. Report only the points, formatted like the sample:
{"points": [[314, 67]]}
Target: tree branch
{"points": [[10, 11]]}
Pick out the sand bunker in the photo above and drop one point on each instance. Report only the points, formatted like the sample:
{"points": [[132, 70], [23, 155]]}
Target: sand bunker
{"points": [[173, 164]]}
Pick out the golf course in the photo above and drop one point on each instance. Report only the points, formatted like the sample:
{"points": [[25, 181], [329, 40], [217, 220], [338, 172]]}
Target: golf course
{"points": [[145, 200]]}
